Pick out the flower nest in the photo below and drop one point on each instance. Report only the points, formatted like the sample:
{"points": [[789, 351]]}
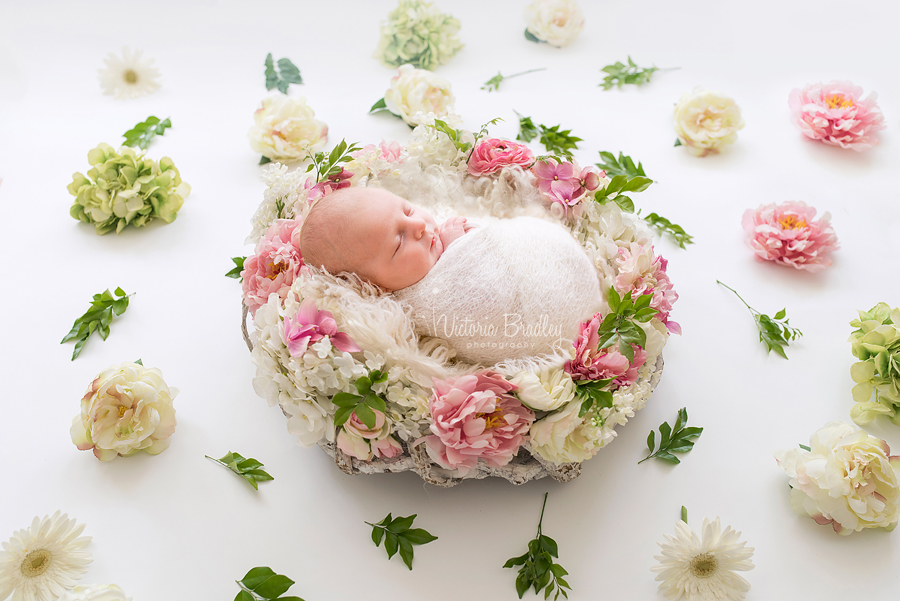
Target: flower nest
{"points": [[407, 372]]}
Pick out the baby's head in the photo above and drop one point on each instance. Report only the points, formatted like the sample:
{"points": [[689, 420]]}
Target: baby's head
{"points": [[373, 233]]}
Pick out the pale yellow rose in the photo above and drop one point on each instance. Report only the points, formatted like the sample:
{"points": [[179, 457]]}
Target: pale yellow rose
{"points": [[285, 129], [545, 390], [559, 437], [557, 22], [706, 121], [417, 90]]}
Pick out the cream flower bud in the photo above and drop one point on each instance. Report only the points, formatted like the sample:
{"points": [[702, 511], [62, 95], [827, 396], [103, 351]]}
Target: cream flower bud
{"points": [[417, 90], [706, 121]]}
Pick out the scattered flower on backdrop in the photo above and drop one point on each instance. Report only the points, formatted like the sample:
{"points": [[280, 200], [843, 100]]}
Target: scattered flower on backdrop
{"points": [[415, 93], [419, 34], [126, 409], [39, 563], [876, 343], [700, 570], [556, 22], [285, 129], [845, 479], [706, 121], [129, 75], [836, 114], [126, 188], [789, 234], [274, 265], [95, 592]]}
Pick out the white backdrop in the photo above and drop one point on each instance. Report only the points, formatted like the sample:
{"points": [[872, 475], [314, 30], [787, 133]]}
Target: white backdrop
{"points": [[178, 527]]}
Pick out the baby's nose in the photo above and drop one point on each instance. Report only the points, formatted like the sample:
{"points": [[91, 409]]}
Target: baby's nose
{"points": [[419, 228]]}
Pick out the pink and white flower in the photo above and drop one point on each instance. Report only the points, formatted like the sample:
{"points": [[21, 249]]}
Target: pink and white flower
{"points": [[310, 325], [492, 155], [642, 272], [475, 417], [836, 114], [789, 234], [591, 363], [565, 183], [360, 441], [275, 264]]}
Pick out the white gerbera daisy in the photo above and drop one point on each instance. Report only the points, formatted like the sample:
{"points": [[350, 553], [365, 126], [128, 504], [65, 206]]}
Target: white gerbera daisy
{"points": [[128, 76], [703, 571], [41, 562]]}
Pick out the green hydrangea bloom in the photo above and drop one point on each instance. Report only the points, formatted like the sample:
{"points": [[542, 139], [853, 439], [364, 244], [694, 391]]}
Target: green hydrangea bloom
{"points": [[419, 34], [125, 188], [876, 343]]}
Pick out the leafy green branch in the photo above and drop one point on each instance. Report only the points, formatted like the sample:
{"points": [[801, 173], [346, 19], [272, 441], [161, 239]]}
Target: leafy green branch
{"points": [[98, 317], [329, 165], [775, 332], [624, 165], [554, 140], [249, 469], [286, 74], [672, 440], [141, 134], [363, 403], [619, 74], [398, 536], [664, 226], [619, 327], [238, 268], [263, 584], [538, 569], [493, 84]]}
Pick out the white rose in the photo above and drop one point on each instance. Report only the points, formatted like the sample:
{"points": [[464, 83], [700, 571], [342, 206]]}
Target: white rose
{"points": [[558, 437], [286, 129], [417, 90], [126, 409], [705, 121], [847, 479], [95, 592], [557, 22], [547, 390]]}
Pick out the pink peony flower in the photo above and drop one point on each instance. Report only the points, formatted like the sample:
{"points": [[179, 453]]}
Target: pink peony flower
{"points": [[788, 234], [275, 264], [475, 417], [642, 272], [492, 155], [335, 182], [835, 114], [591, 363], [311, 325]]}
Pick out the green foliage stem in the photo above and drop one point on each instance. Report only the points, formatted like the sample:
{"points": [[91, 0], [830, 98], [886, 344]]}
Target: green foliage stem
{"points": [[538, 570], [97, 318], [398, 536], [677, 439], [775, 332], [263, 584]]}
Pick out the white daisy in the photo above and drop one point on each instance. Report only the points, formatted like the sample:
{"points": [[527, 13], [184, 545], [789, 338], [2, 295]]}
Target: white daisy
{"points": [[703, 571], [41, 562], [128, 76]]}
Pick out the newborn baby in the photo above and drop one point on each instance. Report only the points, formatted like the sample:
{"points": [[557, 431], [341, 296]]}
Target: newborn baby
{"points": [[501, 289]]}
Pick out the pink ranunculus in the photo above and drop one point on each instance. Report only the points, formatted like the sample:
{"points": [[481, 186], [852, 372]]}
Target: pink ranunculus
{"points": [[492, 155], [591, 363], [336, 181], [310, 325], [836, 114], [475, 417], [643, 272], [275, 264], [789, 234], [560, 182]]}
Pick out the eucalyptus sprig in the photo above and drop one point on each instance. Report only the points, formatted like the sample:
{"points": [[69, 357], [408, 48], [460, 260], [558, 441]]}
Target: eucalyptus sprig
{"points": [[775, 332], [238, 268], [363, 403], [98, 317], [672, 440], [664, 226], [624, 165], [398, 536], [282, 78], [263, 584], [493, 84], [619, 74], [141, 134], [538, 569], [554, 140], [330, 164], [247, 468], [593, 392], [620, 327]]}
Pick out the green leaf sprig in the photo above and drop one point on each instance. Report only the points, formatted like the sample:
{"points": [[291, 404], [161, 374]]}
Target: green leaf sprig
{"points": [[664, 226], [363, 403], [141, 134], [623, 165], [286, 74], [593, 392], [538, 569], [619, 74], [619, 327], [263, 584], [247, 468], [238, 268], [672, 440], [554, 140], [456, 135], [493, 84], [617, 188], [398, 536], [98, 317], [775, 332], [329, 165]]}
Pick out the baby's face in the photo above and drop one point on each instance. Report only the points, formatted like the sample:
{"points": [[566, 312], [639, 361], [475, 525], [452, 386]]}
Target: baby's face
{"points": [[393, 244]]}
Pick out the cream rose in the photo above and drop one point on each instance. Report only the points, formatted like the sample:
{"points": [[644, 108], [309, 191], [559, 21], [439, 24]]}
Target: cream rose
{"points": [[126, 409], [847, 479], [545, 390], [706, 121], [417, 90], [557, 22], [95, 592], [285, 129], [559, 437]]}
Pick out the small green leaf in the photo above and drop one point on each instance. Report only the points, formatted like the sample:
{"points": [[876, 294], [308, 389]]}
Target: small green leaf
{"points": [[246, 468], [780, 315], [531, 38], [378, 106], [377, 534], [399, 525], [264, 584], [391, 544], [273, 587], [141, 134], [684, 514], [677, 142], [418, 536], [651, 440], [805, 448], [406, 552], [264, 159], [139, 362], [238, 268]]}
